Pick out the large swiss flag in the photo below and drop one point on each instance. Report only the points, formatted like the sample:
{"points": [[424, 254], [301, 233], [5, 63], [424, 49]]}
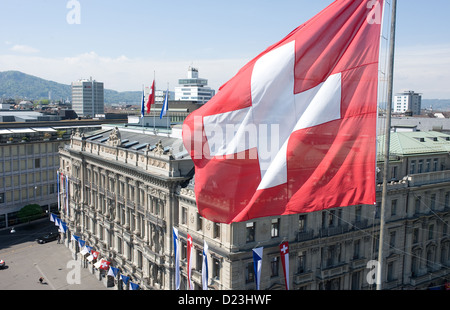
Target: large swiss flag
{"points": [[295, 130]]}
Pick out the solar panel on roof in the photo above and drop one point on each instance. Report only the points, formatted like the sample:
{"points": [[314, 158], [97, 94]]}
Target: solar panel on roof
{"points": [[130, 144], [95, 138], [124, 141], [104, 140], [140, 147]]}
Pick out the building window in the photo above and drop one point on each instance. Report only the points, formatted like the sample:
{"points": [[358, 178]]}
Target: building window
{"points": [[392, 239], [430, 232], [435, 164], [417, 205], [301, 262], [331, 217], [394, 173], [275, 228], [356, 249], [301, 223], [390, 272], [428, 166], [183, 216], [216, 268], [412, 168], [416, 235], [37, 163], [250, 227], [274, 266], [433, 201], [358, 214], [249, 273], [394, 207], [216, 231], [2, 197], [199, 222]]}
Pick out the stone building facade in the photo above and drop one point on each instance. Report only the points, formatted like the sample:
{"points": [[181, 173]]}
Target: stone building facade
{"points": [[129, 189]]}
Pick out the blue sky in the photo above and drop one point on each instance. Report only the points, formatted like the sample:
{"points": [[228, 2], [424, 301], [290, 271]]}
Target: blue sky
{"points": [[124, 43]]}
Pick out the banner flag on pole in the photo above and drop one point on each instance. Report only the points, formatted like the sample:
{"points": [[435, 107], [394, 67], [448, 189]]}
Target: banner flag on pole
{"points": [[284, 251], [53, 217], [67, 195], [205, 267], [134, 286], [257, 264], [124, 279], [113, 271], [151, 97], [189, 262], [143, 104], [176, 251], [299, 118], [57, 190], [165, 106]]}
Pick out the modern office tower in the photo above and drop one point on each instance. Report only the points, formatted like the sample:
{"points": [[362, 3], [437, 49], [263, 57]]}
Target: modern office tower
{"points": [[193, 88], [407, 102], [88, 98]]}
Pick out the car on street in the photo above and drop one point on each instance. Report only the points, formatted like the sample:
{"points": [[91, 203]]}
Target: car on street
{"points": [[47, 237]]}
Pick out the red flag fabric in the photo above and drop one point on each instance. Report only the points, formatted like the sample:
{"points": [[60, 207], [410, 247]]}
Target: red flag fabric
{"points": [[189, 261], [151, 97], [295, 130], [104, 264], [284, 253]]}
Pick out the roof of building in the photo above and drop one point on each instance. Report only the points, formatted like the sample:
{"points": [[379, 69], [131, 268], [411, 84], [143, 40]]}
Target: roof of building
{"points": [[137, 140], [417, 142]]}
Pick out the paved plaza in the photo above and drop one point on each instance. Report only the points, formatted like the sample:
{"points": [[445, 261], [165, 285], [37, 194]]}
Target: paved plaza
{"points": [[27, 261]]}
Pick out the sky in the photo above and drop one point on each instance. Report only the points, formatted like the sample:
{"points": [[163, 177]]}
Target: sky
{"points": [[126, 44]]}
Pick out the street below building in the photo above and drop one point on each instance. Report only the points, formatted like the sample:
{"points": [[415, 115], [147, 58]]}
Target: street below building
{"points": [[27, 261]]}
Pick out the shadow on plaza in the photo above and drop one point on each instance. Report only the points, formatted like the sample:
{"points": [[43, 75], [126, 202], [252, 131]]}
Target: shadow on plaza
{"points": [[24, 233]]}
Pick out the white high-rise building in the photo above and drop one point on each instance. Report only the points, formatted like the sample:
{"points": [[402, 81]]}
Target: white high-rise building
{"points": [[407, 101], [88, 98], [193, 88]]}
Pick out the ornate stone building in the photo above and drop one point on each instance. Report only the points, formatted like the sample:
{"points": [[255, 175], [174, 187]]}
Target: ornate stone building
{"points": [[129, 188]]}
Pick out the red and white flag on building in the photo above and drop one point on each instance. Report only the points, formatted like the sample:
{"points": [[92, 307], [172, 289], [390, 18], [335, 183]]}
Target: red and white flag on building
{"points": [[189, 262], [104, 264], [284, 253], [151, 97], [295, 130]]}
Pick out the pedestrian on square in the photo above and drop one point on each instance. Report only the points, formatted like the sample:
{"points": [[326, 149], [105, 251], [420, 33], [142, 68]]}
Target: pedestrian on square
{"points": [[41, 280]]}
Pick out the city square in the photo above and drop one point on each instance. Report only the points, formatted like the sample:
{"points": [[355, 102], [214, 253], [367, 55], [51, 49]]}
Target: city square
{"points": [[27, 261]]}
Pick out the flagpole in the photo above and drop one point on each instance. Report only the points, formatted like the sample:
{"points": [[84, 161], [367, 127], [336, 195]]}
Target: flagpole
{"points": [[167, 109], [143, 108], [154, 90], [386, 146]]}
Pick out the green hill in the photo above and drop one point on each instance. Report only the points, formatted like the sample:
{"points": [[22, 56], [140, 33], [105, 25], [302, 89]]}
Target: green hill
{"points": [[15, 84]]}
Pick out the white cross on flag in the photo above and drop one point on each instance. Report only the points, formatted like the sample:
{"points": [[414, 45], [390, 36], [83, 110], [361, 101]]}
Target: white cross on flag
{"points": [[295, 130], [284, 253]]}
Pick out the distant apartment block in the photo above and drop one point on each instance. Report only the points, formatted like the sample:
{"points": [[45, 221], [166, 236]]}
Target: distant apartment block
{"points": [[88, 98], [407, 102]]}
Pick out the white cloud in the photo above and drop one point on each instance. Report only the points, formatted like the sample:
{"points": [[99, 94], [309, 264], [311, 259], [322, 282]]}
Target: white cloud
{"points": [[121, 73], [424, 69], [24, 49]]}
